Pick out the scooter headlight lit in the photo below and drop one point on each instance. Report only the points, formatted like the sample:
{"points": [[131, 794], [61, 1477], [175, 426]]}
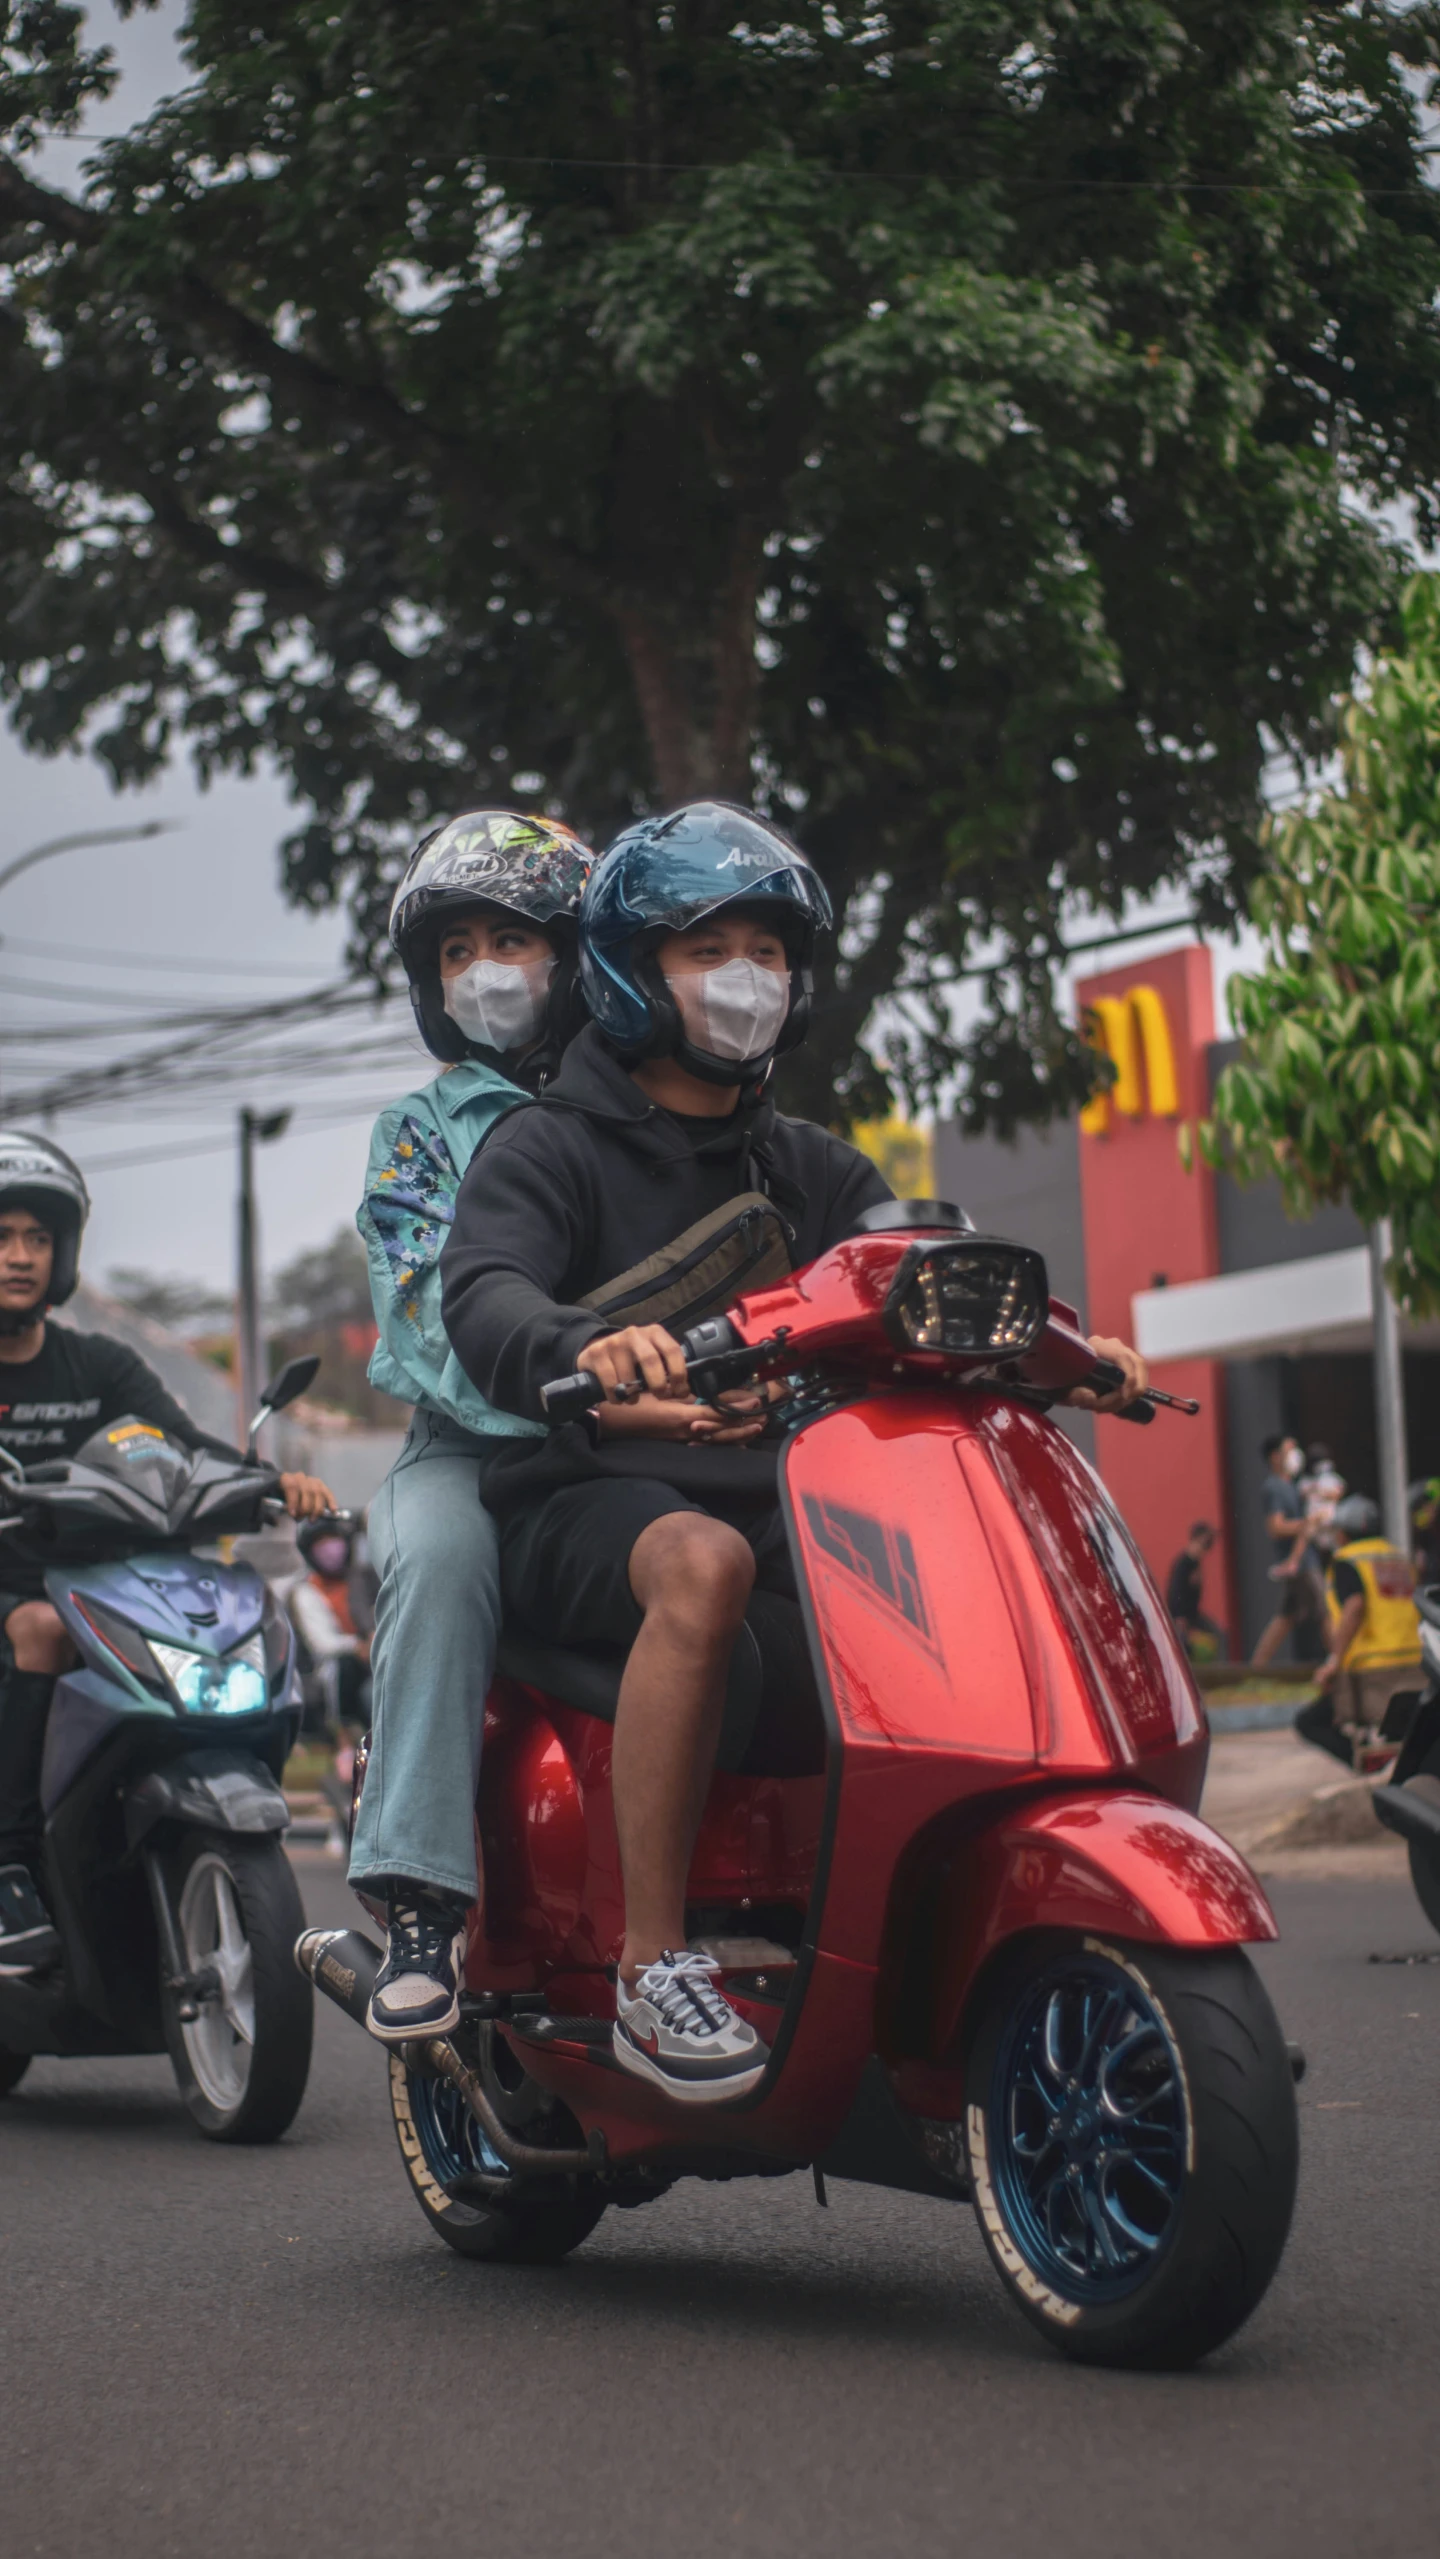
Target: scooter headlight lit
{"points": [[972, 1295], [233, 1685]]}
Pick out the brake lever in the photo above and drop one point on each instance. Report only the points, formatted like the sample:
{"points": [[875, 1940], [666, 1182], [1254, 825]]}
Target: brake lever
{"points": [[1107, 1375]]}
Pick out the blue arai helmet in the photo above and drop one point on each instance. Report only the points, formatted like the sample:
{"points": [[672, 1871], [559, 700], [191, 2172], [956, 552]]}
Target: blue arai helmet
{"points": [[668, 872]]}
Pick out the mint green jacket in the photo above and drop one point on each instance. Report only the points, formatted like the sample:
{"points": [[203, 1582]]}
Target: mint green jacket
{"points": [[419, 1151]]}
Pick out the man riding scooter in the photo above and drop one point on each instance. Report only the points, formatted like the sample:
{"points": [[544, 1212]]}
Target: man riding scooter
{"points": [[57, 1387], [484, 923], [654, 1184]]}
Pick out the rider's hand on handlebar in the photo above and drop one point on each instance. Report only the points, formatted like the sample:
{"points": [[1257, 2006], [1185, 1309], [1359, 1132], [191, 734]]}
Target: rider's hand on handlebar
{"points": [[1137, 1378], [643, 1352], [306, 1497], [665, 1417]]}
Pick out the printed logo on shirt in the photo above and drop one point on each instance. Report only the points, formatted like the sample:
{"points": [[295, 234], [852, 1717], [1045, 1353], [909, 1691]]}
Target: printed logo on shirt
{"points": [[85, 1412]]}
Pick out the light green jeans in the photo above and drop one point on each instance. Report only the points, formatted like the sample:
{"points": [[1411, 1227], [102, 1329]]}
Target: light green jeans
{"points": [[437, 1620]]}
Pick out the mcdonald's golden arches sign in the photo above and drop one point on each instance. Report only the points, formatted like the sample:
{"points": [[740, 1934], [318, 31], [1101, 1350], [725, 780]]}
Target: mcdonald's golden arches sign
{"points": [[1133, 1032]]}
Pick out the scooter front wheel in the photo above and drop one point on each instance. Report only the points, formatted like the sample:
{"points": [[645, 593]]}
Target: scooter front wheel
{"points": [[1132, 2136], [517, 2222], [242, 2060]]}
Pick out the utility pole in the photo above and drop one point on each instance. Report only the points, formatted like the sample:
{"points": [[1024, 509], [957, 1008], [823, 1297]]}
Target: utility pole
{"points": [[254, 1126], [1389, 1393]]}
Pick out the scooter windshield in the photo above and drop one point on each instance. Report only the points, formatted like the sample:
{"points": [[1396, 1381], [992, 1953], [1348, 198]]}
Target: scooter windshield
{"points": [[140, 1457]]}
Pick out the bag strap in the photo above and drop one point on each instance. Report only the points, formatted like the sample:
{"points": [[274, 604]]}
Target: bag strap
{"points": [[745, 1243]]}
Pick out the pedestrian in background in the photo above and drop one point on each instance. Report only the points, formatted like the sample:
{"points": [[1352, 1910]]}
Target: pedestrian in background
{"points": [[1374, 1637], [1300, 1593], [1185, 1594], [1322, 1489]]}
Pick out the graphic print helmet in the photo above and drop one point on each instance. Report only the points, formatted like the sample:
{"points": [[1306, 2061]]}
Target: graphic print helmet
{"points": [[531, 866], [37, 1174], [665, 873]]}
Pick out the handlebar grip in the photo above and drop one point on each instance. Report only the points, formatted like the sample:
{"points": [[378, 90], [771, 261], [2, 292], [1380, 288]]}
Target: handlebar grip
{"points": [[1105, 1376], [566, 1398]]}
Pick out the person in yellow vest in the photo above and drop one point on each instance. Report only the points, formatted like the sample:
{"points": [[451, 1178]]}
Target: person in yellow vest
{"points": [[1374, 1633]]}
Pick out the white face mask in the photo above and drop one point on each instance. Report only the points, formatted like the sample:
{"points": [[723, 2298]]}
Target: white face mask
{"points": [[735, 1012], [1295, 1462], [500, 1003]]}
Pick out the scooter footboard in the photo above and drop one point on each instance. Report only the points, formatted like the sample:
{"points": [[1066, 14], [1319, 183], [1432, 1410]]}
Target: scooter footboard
{"points": [[1121, 1864]]}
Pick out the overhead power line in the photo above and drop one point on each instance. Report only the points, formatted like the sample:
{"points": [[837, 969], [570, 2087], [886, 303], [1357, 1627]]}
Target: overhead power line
{"points": [[154, 960]]}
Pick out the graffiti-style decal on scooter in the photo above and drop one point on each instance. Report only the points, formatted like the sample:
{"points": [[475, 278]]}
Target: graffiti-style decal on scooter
{"points": [[882, 1558]]}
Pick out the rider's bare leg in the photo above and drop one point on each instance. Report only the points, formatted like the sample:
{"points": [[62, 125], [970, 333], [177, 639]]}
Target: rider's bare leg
{"points": [[692, 1577]]}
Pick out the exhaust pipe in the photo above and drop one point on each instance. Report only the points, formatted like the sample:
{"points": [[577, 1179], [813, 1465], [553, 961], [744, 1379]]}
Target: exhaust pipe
{"points": [[1412, 1809], [343, 1964]]}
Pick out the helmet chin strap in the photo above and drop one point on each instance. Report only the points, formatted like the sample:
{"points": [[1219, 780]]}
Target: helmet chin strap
{"points": [[750, 1073]]}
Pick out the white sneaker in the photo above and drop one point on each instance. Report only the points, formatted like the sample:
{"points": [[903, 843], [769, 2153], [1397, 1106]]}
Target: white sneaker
{"points": [[677, 2028]]}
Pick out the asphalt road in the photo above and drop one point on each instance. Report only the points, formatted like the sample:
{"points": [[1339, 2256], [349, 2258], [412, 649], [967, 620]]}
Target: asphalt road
{"points": [[230, 2352]]}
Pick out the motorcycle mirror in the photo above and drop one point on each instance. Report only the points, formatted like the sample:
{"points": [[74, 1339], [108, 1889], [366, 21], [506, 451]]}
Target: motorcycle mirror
{"points": [[293, 1379]]}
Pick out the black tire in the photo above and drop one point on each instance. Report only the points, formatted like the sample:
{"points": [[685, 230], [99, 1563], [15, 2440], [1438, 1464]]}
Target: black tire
{"points": [[1140, 2222], [13, 2067], [1425, 1876], [234, 2089], [440, 2143], [1425, 1856]]}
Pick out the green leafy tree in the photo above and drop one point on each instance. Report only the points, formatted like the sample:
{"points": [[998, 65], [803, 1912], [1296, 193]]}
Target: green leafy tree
{"points": [[327, 1286], [934, 420], [181, 1305], [1339, 1093]]}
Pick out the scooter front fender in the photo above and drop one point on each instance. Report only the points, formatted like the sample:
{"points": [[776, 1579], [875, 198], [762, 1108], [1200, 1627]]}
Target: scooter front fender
{"points": [[1118, 1864]]}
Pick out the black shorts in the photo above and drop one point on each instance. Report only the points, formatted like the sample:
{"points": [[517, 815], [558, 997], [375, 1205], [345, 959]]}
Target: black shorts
{"points": [[1301, 1598], [565, 1556], [565, 1568]]}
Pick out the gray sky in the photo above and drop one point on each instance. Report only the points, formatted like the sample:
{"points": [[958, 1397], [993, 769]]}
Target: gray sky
{"points": [[185, 921], [188, 920]]}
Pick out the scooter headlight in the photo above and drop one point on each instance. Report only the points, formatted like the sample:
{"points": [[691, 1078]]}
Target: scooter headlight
{"points": [[975, 1295], [233, 1685]]}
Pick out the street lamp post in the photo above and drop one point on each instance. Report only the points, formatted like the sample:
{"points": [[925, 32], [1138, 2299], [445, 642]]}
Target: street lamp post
{"points": [[255, 1126], [1389, 1393], [91, 835]]}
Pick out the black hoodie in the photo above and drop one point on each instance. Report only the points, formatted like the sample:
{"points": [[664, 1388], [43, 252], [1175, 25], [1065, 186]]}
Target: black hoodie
{"points": [[569, 1191]]}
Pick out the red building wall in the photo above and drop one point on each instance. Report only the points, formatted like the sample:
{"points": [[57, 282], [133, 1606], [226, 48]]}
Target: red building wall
{"points": [[1146, 1219]]}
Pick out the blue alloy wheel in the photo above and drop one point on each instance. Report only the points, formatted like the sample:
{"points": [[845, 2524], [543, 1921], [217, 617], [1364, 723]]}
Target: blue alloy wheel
{"points": [[1088, 2130], [452, 2140], [519, 2220]]}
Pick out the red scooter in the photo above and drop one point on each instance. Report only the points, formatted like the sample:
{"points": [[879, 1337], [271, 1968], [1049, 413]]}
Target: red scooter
{"points": [[992, 1949]]}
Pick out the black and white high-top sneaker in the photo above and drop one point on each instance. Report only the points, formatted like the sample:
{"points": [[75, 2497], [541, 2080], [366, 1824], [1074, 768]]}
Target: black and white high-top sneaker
{"points": [[28, 1937], [417, 1989], [677, 2028]]}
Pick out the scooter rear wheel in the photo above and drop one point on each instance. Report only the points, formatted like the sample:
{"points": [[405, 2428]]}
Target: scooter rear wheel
{"points": [[442, 2145], [1132, 2136], [241, 2064]]}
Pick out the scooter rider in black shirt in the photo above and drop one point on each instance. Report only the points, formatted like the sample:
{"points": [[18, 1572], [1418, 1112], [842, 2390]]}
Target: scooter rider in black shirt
{"points": [[57, 1387]]}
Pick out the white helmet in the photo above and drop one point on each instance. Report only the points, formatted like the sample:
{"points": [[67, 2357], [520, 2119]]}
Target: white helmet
{"points": [[37, 1174]]}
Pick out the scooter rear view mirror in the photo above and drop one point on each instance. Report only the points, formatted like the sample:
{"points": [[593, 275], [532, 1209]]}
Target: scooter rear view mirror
{"points": [[293, 1379]]}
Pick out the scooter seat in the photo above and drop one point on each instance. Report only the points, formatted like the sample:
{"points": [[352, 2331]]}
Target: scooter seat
{"points": [[589, 1678]]}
